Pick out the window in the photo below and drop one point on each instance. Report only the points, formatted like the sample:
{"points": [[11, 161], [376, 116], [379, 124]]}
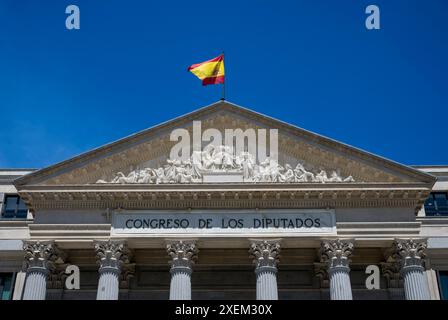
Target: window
{"points": [[14, 207], [6, 286], [443, 283], [437, 204]]}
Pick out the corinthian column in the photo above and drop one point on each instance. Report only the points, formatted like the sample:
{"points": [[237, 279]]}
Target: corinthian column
{"points": [[111, 256], [183, 254], [335, 254], [410, 255], [40, 258], [266, 257]]}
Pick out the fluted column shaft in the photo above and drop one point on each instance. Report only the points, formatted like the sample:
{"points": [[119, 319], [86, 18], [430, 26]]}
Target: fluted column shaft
{"points": [[180, 287], [336, 253], [183, 255], [410, 255], [415, 286], [266, 257], [340, 286], [111, 256], [36, 284], [267, 283], [108, 284], [40, 260]]}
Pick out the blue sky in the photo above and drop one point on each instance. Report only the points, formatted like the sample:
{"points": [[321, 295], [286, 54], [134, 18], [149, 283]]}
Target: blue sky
{"points": [[311, 63]]}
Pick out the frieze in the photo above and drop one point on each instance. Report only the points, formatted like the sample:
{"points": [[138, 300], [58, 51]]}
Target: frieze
{"points": [[184, 199], [219, 161], [223, 222]]}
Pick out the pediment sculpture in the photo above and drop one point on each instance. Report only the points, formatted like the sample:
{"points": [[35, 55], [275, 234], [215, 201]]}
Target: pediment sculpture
{"points": [[219, 160]]}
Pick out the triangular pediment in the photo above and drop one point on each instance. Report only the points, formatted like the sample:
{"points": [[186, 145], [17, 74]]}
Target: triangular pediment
{"points": [[303, 157]]}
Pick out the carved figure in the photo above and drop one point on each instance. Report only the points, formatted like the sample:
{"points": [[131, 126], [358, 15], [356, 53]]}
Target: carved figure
{"points": [[220, 159], [288, 176]]}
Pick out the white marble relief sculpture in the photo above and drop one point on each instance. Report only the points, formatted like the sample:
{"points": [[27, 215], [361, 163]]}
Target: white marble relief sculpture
{"points": [[220, 160]]}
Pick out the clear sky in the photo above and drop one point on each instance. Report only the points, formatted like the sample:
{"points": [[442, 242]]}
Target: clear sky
{"points": [[311, 63]]}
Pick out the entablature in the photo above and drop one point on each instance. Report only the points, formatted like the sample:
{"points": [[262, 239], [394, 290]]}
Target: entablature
{"points": [[225, 196]]}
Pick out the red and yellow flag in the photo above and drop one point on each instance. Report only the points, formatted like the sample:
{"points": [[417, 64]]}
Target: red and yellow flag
{"points": [[210, 72]]}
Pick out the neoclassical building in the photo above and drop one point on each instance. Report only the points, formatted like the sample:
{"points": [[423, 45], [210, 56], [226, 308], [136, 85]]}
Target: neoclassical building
{"points": [[190, 210]]}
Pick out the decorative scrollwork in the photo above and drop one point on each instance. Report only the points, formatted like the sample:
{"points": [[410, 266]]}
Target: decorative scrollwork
{"points": [[183, 253], [111, 255], [409, 252], [266, 253], [42, 254], [336, 253]]}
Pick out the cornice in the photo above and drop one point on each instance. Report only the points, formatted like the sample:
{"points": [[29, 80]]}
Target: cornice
{"points": [[228, 187], [221, 196], [5, 223], [441, 221]]}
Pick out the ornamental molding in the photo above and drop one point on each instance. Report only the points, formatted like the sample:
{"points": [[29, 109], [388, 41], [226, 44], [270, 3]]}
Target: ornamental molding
{"points": [[232, 197]]}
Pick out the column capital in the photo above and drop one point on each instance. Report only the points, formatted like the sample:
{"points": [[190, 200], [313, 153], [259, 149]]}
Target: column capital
{"points": [[266, 254], [409, 253], [42, 256], [127, 273], [391, 271], [336, 253], [321, 272], [111, 255], [183, 253]]}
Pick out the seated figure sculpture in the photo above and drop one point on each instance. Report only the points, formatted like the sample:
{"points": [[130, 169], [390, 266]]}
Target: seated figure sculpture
{"points": [[220, 159], [302, 175]]}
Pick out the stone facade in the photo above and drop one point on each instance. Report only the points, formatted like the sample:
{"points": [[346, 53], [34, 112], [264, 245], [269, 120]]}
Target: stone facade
{"points": [[302, 230]]}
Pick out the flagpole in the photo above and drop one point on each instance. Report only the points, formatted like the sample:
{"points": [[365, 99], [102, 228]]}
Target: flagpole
{"points": [[223, 91], [223, 97]]}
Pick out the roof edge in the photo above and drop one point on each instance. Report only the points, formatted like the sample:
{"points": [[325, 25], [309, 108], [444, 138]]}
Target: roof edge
{"points": [[426, 177]]}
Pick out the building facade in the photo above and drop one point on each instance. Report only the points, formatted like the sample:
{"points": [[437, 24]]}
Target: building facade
{"points": [[187, 210]]}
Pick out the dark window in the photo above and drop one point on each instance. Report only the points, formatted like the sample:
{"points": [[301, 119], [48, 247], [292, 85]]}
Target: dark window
{"points": [[437, 204], [443, 283], [14, 207], [6, 286]]}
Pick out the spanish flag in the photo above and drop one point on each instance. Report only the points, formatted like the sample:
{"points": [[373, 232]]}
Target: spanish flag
{"points": [[210, 72]]}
